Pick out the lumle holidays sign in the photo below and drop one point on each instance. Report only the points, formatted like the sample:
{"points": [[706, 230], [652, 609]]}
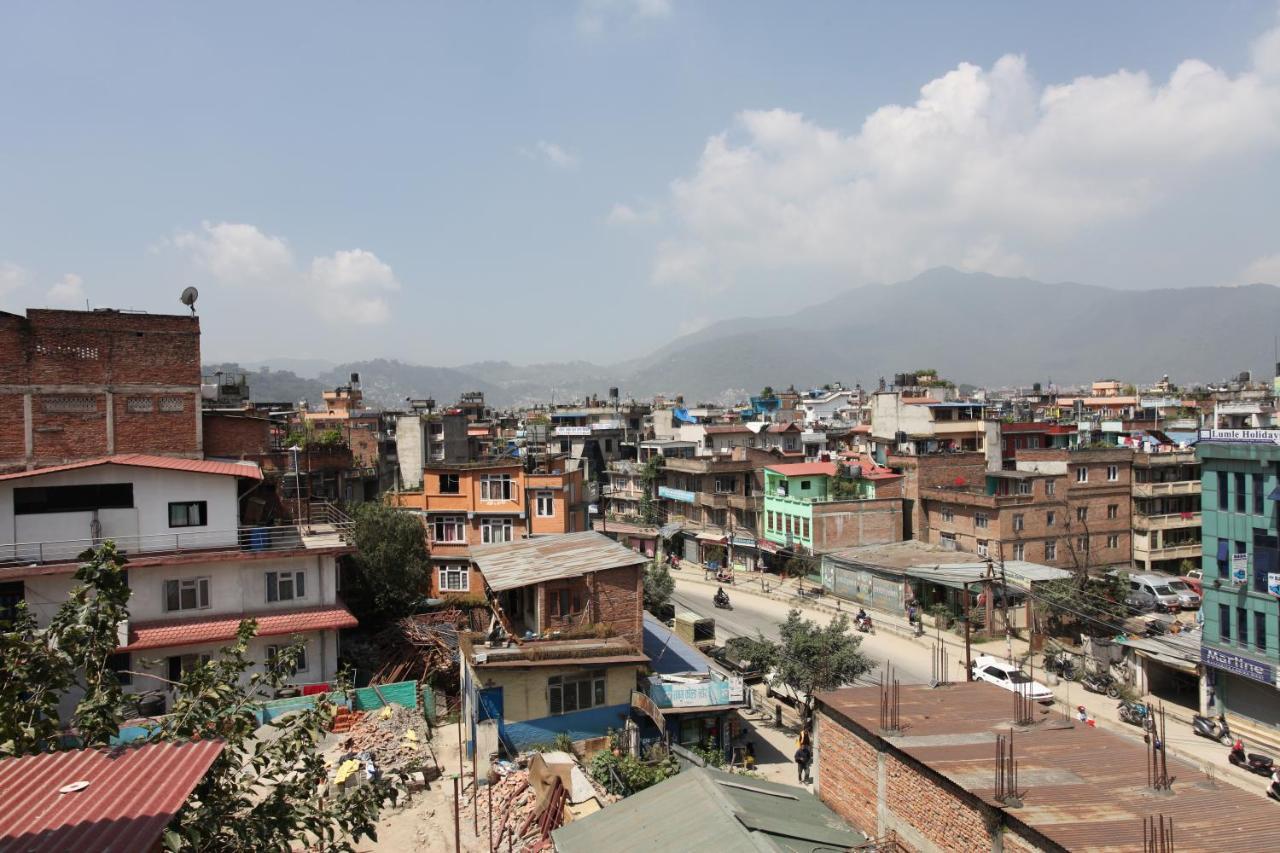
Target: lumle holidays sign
{"points": [[1242, 436]]}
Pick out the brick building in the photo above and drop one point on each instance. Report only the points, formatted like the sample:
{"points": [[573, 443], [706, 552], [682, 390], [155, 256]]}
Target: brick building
{"points": [[490, 502], [931, 784], [84, 384], [1065, 508]]}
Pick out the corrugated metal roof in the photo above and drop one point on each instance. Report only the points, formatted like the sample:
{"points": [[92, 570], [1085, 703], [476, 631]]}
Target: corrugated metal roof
{"points": [[189, 632], [707, 809], [667, 653], [1085, 788], [143, 460], [132, 795], [543, 558], [1017, 572]]}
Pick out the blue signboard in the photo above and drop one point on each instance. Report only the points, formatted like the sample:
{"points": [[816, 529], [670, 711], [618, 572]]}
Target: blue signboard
{"points": [[675, 494], [1238, 665]]}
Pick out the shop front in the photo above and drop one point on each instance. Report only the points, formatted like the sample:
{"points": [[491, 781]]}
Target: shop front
{"points": [[1237, 684]]}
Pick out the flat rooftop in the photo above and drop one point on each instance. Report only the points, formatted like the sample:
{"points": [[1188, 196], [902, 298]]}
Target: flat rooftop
{"points": [[1083, 788]]}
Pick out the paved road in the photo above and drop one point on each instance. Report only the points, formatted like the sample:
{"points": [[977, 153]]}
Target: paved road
{"points": [[752, 614]]}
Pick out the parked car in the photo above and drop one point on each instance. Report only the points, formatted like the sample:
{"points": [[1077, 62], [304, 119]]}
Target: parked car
{"points": [[1193, 579], [1167, 600], [1188, 597], [1140, 601], [1007, 675]]}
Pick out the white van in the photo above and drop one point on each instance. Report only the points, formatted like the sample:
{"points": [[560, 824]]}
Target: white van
{"points": [[1157, 586]]}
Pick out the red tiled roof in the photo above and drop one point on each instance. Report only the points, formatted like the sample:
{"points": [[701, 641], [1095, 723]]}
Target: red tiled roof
{"points": [[787, 427], [142, 460], [132, 795], [717, 429], [190, 632], [802, 469]]}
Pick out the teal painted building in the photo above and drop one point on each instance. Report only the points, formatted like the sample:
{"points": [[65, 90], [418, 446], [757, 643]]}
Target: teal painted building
{"points": [[1240, 646], [791, 492]]}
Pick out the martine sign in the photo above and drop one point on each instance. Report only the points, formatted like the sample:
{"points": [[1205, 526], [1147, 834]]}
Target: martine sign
{"points": [[1238, 664]]}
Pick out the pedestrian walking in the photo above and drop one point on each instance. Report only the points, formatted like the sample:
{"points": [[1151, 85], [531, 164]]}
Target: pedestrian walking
{"points": [[803, 757]]}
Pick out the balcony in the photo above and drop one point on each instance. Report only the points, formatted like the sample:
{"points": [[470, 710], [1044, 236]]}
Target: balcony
{"points": [[746, 502], [1168, 521], [248, 540], [712, 500], [1160, 490], [1179, 551]]}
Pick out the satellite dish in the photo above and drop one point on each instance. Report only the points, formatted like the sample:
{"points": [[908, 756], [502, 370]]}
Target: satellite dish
{"points": [[188, 298]]}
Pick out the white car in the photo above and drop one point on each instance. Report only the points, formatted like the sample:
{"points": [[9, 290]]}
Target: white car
{"points": [[1004, 674]]}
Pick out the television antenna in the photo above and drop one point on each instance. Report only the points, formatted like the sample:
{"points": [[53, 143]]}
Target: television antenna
{"points": [[188, 298]]}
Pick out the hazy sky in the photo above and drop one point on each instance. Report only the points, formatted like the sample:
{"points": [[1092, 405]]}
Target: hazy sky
{"points": [[534, 181]]}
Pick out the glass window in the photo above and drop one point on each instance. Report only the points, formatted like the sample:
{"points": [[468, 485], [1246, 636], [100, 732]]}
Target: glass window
{"points": [[1024, 487], [186, 594], [1223, 499], [495, 487], [1224, 622], [1240, 492], [1258, 495], [569, 693], [286, 586], [495, 530], [449, 484], [546, 504], [1113, 510], [1051, 550], [1113, 541], [1242, 625], [188, 514], [1049, 518], [299, 664], [1050, 487], [805, 535], [455, 577], [1082, 474], [980, 519], [1260, 631], [449, 528], [1018, 551], [1017, 524], [1082, 513], [1113, 472]]}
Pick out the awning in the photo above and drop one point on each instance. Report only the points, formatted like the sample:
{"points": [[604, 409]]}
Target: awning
{"points": [[666, 531]]}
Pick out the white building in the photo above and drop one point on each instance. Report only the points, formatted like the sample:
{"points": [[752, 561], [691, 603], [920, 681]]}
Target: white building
{"points": [[194, 571]]}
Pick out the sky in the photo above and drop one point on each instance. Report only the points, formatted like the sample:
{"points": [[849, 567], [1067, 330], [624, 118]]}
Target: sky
{"points": [[532, 182]]}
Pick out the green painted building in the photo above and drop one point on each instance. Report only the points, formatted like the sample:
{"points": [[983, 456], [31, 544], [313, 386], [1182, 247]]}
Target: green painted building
{"points": [[791, 492], [1240, 646]]}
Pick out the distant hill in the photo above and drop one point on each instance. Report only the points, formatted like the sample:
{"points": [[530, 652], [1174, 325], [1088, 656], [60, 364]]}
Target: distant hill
{"points": [[974, 327]]}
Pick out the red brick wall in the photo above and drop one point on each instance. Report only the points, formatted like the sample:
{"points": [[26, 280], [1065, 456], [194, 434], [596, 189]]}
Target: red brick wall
{"points": [[850, 523], [619, 599], [235, 436], [65, 436], [12, 439], [165, 429], [931, 810], [846, 775]]}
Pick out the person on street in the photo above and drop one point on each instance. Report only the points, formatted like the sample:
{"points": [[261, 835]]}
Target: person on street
{"points": [[803, 757]]}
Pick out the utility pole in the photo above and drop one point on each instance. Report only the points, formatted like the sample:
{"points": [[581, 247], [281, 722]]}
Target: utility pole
{"points": [[988, 586], [1004, 592]]}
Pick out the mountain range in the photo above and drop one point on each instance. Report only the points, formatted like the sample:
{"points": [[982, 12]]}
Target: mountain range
{"points": [[972, 327]]}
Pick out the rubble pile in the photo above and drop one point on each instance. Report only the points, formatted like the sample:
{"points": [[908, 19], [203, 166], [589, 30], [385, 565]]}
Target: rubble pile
{"points": [[522, 820], [418, 647], [396, 736]]}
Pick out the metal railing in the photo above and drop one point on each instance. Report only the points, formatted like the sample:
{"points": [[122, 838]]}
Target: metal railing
{"points": [[247, 539]]}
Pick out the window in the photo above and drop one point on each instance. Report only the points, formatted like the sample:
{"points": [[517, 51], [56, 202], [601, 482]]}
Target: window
{"points": [[569, 693], [1024, 487], [1113, 541], [1017, 523], [67, 404], [186, 594], [120, 664], [1082, 543], [948, 514], [804, 485], [564, 602], [449, 528], [1082, 474], [1242, 626], [173, 404], [1223, 498], [299, 664], [980, 519], [180, 665], [1051, 550], [455, 577], [948, 540], [495, 530], [1019, 551], [1257, 495], [286, 586], [546, 504], [139, 405], [806, 529], [724, 485], [12, 593], [1113, 510], [1240, 494], [1050, 518], [608, 445], [1224, 622], [1082, 513], [1260, 631], [449, 484], [189, 514], [44, 499], [982, 547], [1113, 473], [1049, 488], [495, 487]]}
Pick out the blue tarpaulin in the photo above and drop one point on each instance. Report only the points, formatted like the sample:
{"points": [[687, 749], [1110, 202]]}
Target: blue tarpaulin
{"points": [[1224, 549], [682, 414]]}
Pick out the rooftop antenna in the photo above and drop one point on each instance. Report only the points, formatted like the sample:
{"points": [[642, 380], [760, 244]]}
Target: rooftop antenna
{"points": [[188, 298]]}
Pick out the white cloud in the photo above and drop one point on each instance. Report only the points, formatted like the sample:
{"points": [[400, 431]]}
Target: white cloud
{"points": [[1265, 270], [348, 286], [984, 169], [594, 16], [67, 292], [625, 214], [552, 154], [12, 278]]}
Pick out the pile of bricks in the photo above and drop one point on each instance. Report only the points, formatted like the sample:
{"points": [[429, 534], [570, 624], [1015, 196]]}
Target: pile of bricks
{"points": [[397, 740], [344, 719], [517, 820]]}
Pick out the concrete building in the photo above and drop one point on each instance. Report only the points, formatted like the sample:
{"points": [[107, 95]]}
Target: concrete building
{"points": [[904, 425], [84, 384], [931, 781], [486, 502], [195, 571], [813, 507], [1240, 560], [1166, 510]]}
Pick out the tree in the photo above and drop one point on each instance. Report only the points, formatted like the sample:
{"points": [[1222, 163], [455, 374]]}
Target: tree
{"points": [[259, 794], [389, 571], [810, 658], [649, 473], [658, 586], [767, 393]]}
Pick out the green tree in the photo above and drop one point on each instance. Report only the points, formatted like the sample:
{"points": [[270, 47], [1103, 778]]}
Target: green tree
{"points": [[812, 658], [767, 393], [389, 571], [649, 474], [259, 794], [658, 586]]}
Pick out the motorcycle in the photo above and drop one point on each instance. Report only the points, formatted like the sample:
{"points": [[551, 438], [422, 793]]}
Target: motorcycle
{"points": [[1136, 714], [863, 624], [1207, 727], [1101, 683], [1254, 762], [1273, 790], [721, 600], [1061, 665]]}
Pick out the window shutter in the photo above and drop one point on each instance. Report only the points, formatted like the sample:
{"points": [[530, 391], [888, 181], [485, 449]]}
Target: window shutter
{"points": [[171, 595], [204, 592]]}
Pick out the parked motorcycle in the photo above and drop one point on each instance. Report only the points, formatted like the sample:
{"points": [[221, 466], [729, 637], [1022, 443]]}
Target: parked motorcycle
{"points": [[1136, 714], [1061, 665], [1254, 762], [1096, 682], [1207, 727]]}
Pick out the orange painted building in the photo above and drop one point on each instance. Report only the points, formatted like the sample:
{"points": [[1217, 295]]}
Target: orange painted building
{"points": [[489, 502]]}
